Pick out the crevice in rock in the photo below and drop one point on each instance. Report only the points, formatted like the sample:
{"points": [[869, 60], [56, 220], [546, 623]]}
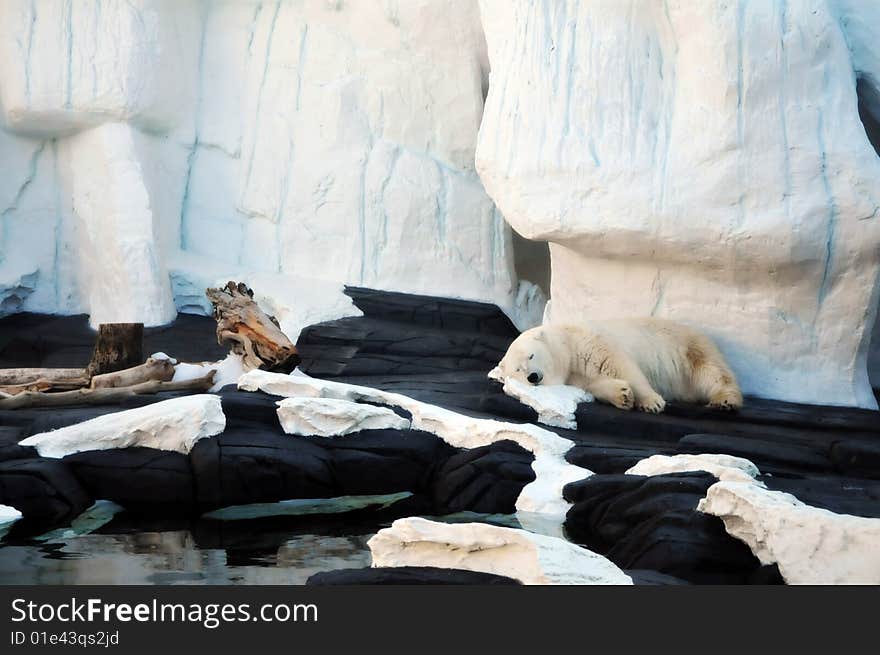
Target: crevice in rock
{"points": [[869, 111]]}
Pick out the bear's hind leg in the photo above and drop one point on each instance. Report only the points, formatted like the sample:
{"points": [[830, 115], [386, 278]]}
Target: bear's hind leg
{"points": [[712, 380]]}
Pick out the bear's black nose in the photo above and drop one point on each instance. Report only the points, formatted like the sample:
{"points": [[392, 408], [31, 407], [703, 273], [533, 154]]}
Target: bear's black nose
{"points": [[535, 378]]}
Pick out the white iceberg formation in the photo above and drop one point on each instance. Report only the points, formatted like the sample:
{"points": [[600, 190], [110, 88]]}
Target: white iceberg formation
{"points": [[331, 417], [532, 559], [175, 424]]}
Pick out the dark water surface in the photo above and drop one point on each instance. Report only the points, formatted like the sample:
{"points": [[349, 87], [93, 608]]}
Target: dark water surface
{"points": [[237, 545], [280, 550]]}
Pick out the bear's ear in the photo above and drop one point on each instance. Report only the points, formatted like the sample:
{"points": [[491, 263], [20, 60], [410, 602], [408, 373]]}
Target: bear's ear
{"points": [[539, 335]]}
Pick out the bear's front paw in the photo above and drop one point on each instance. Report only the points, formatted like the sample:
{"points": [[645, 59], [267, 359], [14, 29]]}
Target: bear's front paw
{"points": [[653, 403], [623, 397], [727, 402]]}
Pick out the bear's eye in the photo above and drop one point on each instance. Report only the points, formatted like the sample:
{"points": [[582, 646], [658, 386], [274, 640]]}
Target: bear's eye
{"points": [[532, 356]]}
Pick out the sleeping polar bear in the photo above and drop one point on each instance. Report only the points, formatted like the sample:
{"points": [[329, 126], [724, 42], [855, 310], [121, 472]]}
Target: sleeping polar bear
{"points": [[629, 363]]}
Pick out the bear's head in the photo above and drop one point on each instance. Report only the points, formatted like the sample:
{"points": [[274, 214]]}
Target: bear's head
{"points": [[533, 357]]}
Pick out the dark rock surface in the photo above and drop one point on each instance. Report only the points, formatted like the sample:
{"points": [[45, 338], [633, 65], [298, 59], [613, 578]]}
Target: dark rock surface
{"points": [[408, 575], [45, 491], [250, 464], [10, 435], [405, 335], [653, 578], [799, 444], [651, 523], [486, 479], [783, 439], [143, 480], [874, 357], [253, 461], [417, 575], [438, 351]]}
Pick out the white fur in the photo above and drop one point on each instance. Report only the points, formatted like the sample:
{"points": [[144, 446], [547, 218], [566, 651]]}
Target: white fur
{"points": [[632, 362]]}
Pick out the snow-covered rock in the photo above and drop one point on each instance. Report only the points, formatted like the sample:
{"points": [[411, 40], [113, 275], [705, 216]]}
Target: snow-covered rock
{"points": [[529, 558], [809, 544], [298, 384], [8, 514], [552, 472], [279, 142], [226, 371], [555, 404], [329, 417], [723, 467], [174, 424], [703, 162]]}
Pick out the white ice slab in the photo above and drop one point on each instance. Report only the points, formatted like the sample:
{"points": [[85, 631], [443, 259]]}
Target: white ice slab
{"points": [[527, 557], [174, 424]]}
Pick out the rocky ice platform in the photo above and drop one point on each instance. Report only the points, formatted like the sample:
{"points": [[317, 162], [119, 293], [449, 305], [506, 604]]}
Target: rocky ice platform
{"points": [[809, 464]]}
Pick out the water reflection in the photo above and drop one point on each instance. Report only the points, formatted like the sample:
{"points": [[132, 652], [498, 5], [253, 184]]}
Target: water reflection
{"points": [[108, 545], [277, 550]]}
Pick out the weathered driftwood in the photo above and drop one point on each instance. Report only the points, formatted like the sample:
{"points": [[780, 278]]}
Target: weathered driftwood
{"points": [[63, 379], [37, 385], [153, 369], [57, 378], [249, 331], [103, 396], [118, 346], [116, 362]]}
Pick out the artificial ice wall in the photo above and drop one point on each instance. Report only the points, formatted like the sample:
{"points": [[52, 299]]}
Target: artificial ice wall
{"points": [[153, 147], [703, 161]]}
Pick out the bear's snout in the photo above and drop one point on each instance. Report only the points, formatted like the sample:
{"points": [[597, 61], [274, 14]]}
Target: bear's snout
{"points": [[535, 378]]}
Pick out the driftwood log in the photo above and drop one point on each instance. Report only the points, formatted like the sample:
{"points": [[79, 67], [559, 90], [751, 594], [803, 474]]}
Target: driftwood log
{"points": [[249, 331], [13, 380], [118, 346], [153, 369], [103, 396]]}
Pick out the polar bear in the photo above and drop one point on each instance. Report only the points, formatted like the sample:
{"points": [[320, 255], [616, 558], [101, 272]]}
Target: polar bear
{"points": [[629, 363]]}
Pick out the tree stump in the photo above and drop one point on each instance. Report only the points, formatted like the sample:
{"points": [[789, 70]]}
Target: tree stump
{"points": [[118, 346]]}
